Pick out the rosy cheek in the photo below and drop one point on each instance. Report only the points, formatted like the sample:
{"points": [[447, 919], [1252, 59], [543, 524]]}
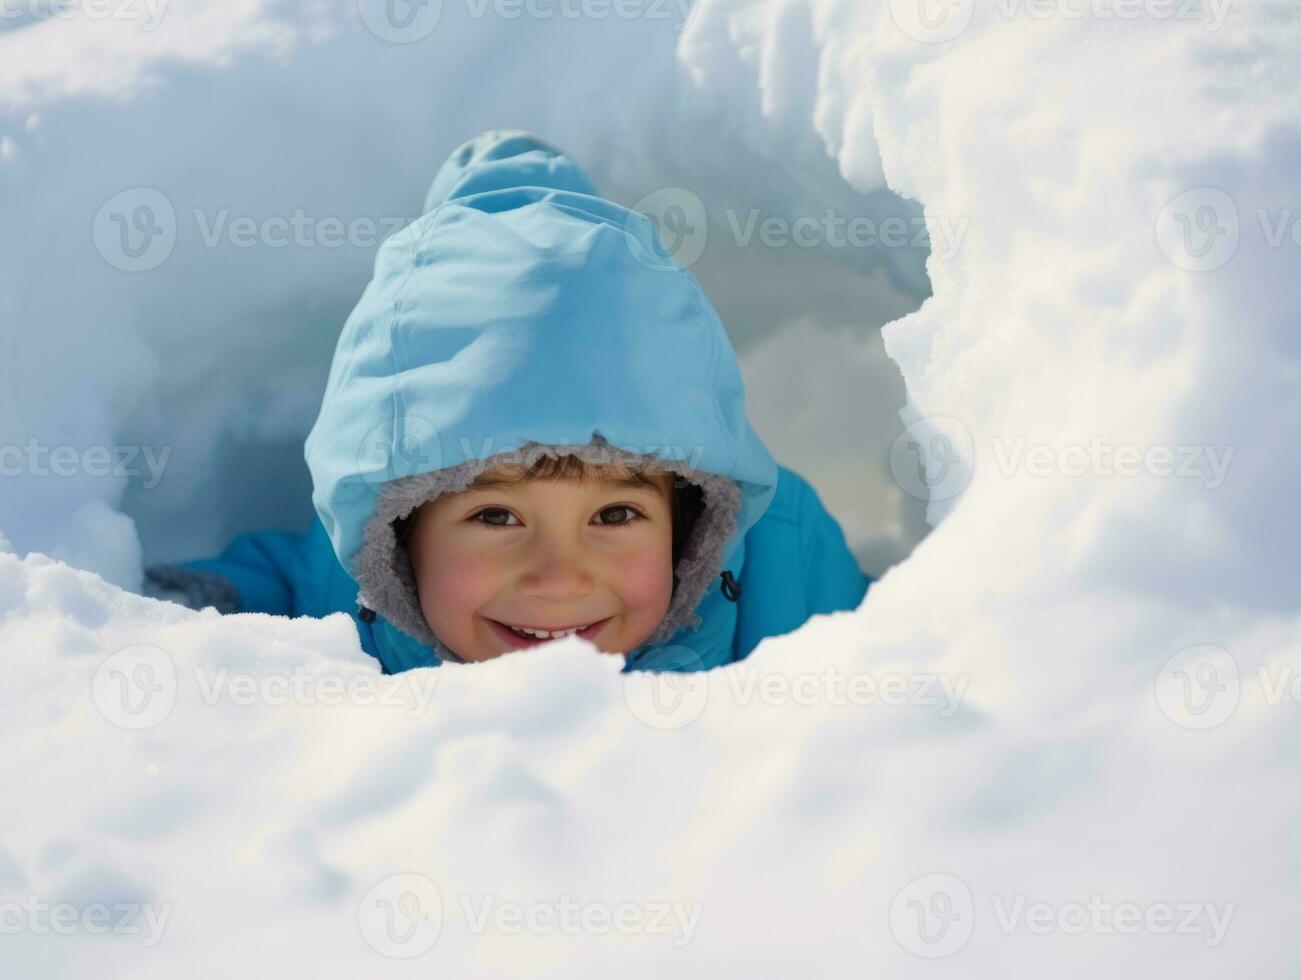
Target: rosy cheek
{"points": [[453, 586], [645, 582]]}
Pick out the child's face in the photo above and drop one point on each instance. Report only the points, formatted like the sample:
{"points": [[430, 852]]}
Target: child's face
{"points": [[545, 553]]}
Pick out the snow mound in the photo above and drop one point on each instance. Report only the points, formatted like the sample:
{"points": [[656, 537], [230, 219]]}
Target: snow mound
{"points": [[1058, 739]]}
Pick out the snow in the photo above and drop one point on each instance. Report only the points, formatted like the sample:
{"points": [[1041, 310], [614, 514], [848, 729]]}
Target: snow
{"points": [[1059, 738]]}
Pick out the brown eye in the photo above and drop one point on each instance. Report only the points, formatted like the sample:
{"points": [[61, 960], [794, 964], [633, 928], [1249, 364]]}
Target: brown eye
{"points": [[492, 512], [631, 515]]}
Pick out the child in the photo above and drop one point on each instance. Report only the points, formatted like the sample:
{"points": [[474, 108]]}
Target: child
{"points": [[535, 419]]}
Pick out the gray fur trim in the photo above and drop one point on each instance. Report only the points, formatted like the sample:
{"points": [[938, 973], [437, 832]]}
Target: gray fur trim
{"points": [[192, 588], [383, 569]]}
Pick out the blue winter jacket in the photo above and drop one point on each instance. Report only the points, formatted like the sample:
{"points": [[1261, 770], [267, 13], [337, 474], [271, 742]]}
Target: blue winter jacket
{"points": [[523, 306]]}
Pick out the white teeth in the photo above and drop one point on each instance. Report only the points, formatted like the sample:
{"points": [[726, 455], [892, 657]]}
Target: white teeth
{"points": [[548, 634]]}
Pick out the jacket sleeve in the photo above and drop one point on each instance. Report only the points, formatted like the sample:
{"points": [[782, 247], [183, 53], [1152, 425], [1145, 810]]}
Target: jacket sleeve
{"points": [[833, 580], [797, 564], [276, 572]]}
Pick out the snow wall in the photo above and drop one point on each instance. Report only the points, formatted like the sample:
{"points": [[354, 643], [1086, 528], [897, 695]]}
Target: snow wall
{"points": [[1058, 738]]}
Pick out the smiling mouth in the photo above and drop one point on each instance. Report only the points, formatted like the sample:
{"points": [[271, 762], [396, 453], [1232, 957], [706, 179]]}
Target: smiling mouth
{"points": [[530, 636]]}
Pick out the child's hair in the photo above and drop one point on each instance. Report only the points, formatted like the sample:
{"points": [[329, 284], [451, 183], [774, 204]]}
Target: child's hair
{"points": [[686, 500]]}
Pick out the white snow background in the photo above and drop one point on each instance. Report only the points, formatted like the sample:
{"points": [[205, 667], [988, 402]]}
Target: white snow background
{"points": [[1059, 739]]}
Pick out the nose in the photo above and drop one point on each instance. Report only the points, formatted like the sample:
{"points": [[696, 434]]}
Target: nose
{"points": [[558, 569]]}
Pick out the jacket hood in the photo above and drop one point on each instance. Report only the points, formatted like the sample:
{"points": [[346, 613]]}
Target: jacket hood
{"points": [[524, 313]]}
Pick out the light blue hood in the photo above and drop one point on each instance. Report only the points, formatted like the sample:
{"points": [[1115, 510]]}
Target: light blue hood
{"points": [[524, 308]]}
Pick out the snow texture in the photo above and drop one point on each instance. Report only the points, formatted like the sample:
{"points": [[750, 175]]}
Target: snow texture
{"points": [[1059, 739]]}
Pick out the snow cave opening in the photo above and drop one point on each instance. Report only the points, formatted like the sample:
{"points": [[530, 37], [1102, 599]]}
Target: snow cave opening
{"points": [[804, 282]]}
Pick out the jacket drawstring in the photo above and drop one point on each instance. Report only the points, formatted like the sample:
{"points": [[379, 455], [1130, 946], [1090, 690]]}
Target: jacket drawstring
{"points": [[731, 590]]}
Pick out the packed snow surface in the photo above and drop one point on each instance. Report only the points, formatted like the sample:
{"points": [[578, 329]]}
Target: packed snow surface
{"points": [[1060, 739]]}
